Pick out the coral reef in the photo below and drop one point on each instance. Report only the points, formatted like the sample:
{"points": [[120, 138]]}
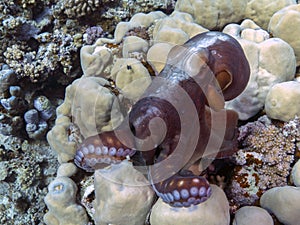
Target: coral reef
{"points": [[264, 160], [26, 170], [272, 61], [46, 45]]}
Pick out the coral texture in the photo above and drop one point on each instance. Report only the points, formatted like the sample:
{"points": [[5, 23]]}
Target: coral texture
{"points": [[264, 160], [205, 213], [261, 11], [283, 202], [213, 14], [61, 202], [122, 195], [284, 24], [26, 168], [272, 61], [283, 101], [252, 215]]}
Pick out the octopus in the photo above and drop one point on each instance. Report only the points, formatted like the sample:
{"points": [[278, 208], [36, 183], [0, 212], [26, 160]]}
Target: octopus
{"points": [[179, 120]]}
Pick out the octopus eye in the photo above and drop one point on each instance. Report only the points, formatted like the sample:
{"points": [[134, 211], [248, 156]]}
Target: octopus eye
{"points": [[224, 79]]}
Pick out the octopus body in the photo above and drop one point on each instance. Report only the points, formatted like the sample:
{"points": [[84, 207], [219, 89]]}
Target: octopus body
{"points": [[177, 121]]}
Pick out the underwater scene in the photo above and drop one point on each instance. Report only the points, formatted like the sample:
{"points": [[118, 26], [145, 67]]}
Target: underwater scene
{"points": [[149, 112]]}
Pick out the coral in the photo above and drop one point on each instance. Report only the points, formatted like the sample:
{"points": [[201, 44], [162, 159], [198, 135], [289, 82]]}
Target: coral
{"points": [[15, 104], [296, 174], [89, 105], [55, 51], [26, 170], [61, 202], [60, 138], [11, 125], [66, 170], [122, 195], [133, 44], [7, 79], [252, 215], [92, 106], [131, 77], [157, 55], [264, 159], [272, 61], [283, 202], [213, 14], [75, 9], [283, 101], [284, 24], [261, 11], [92, 34], [107, 13], [138, 20], [204, 213], [21, 28], [176, 28], [36, 128], [44, 107], [94, 59]]}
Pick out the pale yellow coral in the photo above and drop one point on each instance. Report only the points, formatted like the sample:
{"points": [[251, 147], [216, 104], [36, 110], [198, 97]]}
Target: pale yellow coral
{"points": [[283, 101], [271, 61], [285, 24], [213, 14], [131, 77], [123, 195], [204, 213], [61, 202]]}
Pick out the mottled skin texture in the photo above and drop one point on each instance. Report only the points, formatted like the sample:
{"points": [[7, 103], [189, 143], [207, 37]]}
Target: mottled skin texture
{"points": [[207, 66]]}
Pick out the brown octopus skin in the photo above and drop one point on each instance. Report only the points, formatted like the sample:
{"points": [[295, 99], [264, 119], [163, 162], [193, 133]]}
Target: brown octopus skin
{"points": [[222, 56]]}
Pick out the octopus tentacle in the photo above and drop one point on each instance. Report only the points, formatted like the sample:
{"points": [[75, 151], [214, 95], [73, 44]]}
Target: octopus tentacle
{"points": [[226, 59], [183, 190], [101, 149]]}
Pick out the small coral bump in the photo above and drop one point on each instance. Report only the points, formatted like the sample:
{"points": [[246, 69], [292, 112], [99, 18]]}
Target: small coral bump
{"points": [[31, 116], [44, 106], [15, 91], [92, 34]]}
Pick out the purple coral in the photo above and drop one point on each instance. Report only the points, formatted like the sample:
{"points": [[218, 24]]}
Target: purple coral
{"points": [[92, 34]]}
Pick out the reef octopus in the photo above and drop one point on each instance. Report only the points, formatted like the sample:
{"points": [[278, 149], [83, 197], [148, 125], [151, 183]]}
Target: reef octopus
{"points": [[179, 120]]}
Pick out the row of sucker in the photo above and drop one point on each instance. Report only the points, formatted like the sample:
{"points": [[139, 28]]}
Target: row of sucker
{"points": [[88, 157], [183, 191]]}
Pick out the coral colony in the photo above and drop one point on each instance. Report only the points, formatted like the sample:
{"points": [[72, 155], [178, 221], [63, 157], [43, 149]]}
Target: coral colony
{"points": [[149, 112]]}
